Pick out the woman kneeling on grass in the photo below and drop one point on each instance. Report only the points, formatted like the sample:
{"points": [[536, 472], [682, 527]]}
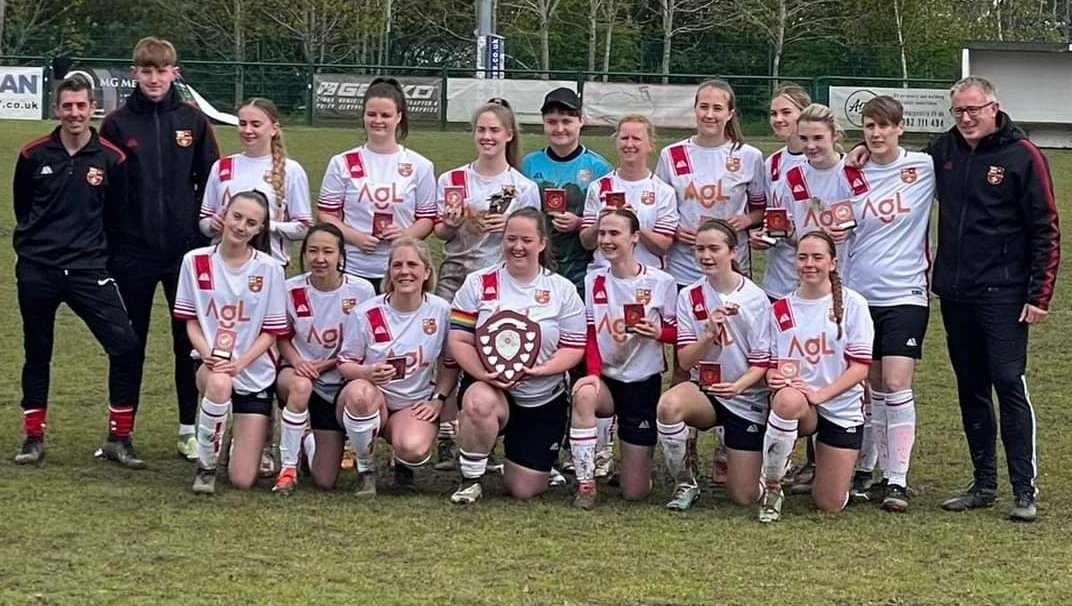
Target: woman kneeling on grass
{"points": [[318, 303], [395, 358], [231, 296], [822, 336], [723, 341], [630, 308]]}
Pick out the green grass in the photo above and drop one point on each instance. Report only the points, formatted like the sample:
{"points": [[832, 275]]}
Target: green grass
{"points": [[78, 531]]}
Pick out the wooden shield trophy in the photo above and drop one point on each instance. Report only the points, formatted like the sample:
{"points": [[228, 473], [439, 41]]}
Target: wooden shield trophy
{"points": [[507, 343]]}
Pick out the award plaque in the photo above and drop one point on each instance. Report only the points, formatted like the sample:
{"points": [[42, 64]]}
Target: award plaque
{"points": [[554, 200], [789, 369], [632, 314], [380, 222], [507, 343], [710, 373], [399, 364], [776, 222], [843, 215], [453, 198], [223, 346], [614, 199]]}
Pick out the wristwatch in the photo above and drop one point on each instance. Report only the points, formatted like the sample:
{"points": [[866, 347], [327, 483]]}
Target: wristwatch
{"points": [[440, 397]]}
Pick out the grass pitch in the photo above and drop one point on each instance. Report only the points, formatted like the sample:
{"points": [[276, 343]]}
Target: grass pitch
{"points": [[79, 531]]}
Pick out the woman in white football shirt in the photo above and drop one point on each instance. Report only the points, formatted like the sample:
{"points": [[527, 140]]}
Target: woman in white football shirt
{"points": [[624, 358], [530, 409], [646, 195], [398, 369], [724, 320], [379, 191], [263, 166], [318, 303], [821, 336], [491, 187], [231, 296]]}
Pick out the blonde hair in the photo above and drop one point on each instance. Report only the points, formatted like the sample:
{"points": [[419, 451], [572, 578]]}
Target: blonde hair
{"points": [[637, 119], [794, 92], [817, 112], [277, 178], [501, 109], [151, 51], [733, 126], [422, 253]]}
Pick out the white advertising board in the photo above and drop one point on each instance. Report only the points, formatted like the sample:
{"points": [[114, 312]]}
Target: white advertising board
{"points": [[464, 95], [926, 110], [20, 93], [666, 105]]}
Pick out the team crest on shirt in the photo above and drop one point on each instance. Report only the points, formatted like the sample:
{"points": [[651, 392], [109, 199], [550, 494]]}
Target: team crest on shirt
{"points": [[255, 283], [543, 296], [429, 326], [995, 175], [647, 197], [184, 138], [733, 164], [584, 176], [908, 175], [405, 169], [94, 176], [348, 305], [643, 296]]}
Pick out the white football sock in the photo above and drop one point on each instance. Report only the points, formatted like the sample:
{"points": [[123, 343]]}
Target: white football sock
{"points": [[290, 436], [362, 432], [211, 422], [901, 434], [778, 443], [674, 437], [582, 443]]}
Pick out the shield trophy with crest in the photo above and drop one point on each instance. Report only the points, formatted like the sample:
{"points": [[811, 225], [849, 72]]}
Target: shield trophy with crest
{"points": [[508, 343]]}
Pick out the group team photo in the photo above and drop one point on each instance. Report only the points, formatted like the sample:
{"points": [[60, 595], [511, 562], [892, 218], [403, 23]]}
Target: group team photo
{"points": [[593, 316]]}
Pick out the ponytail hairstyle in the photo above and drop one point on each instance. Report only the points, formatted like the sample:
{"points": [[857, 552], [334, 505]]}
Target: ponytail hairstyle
{"points": [[277, 178], [733, 126], [795, 93], [422, 253], [263, 240], [817, 112], [501, 109], [389, 88], [836, 291], [335, 232], [729, 235], [547, 256]]}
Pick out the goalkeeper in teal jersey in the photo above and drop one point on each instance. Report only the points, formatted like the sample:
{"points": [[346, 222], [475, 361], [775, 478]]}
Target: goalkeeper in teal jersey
{"points": [[566, 164]]}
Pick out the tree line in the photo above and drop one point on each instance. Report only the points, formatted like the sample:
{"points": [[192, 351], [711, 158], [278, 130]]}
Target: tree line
{"points": [[804, 38]]}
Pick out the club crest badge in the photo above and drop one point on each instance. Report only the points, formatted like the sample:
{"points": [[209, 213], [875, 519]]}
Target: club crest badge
{"points": [[908, 175], [348, 305], [733, 164], [647, 198], [184, 138], [543, 296], [996, 175], [643, 296], [405, 169], [429, 326], [255, 283], [94, 176]]}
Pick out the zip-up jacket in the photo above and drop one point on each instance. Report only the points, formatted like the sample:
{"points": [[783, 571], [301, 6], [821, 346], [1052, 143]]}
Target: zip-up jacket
{"points": [[998, 233], [170, 148], [68, 206]]}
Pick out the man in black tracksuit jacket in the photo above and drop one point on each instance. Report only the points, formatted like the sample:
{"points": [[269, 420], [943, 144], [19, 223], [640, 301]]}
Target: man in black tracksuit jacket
{"points": [[69, 194], [998, 252], [170, 149]]}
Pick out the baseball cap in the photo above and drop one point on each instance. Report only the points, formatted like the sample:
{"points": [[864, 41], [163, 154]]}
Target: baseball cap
{"points": [[561, 96]]}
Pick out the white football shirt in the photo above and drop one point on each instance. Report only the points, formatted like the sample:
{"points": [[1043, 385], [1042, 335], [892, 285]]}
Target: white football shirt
{"points": [[651, 199], [779, 276]]}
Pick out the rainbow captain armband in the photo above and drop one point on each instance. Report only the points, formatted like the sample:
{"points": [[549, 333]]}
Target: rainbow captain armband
{"points": [[462, 320]]}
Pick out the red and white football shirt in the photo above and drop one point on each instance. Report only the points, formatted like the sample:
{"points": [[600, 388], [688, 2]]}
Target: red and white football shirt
{"points": [[628, 357], [316, 319], [804, 330], [238, 173], [246, 301], [360, 182], [890, 248], [711, 183], [375, 331], [743, 343], [651, 199], [549, 300], [776, 281]]}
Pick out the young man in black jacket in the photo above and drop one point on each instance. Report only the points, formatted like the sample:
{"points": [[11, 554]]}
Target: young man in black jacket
{"points": [[170, 147], [69, 194], [998, 252]]}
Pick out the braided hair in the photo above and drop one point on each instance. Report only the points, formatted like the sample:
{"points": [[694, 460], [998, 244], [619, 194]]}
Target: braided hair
{"points": [[836, 290]]}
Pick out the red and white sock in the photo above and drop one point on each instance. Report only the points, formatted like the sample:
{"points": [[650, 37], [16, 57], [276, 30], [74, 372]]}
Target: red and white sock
{"points": [[583, 444], [362, 432], [290, 436], [211, 421], [777, 446], [33, 422], [674, 437], [120, 421]]}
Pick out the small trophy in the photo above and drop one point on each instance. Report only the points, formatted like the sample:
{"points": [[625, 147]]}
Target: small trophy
{"points": [[554, 200], [223, 346], [380, 223], [499, 202], [710, 373], [843, 215], [632, 314], [776, 222], [399, 363], [614, 199], [453, 198], [789, 369]]}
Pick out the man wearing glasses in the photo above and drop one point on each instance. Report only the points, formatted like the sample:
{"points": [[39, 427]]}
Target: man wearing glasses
{"points": [[995, 270]]}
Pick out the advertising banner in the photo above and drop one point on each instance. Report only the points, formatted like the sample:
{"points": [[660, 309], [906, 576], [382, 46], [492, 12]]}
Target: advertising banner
{"points": [[926, 110], [666, 105], [464, 95], [20, 93], [338, 96]]}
